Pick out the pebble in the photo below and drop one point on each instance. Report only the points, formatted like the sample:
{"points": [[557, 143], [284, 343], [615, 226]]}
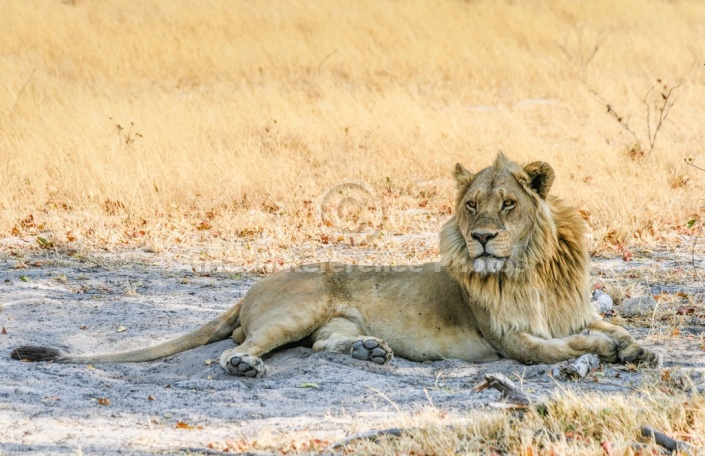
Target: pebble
{"points": [[641, 306], [602, 301]]}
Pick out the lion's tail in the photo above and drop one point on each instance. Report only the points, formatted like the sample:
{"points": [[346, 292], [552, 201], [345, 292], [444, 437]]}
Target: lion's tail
{"points": [[215, 330]]}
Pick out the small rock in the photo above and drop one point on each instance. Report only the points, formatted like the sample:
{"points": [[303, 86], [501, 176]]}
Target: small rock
{"points": [[602, 301], [642, 306]]}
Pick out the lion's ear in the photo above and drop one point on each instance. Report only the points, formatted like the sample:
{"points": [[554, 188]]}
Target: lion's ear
{"points": [[541, 177], [463, 176]]}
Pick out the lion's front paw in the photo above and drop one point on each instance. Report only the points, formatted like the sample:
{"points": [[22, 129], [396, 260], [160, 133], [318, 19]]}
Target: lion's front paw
{"points": [[243, 365], [372, 349], [636, 354]]}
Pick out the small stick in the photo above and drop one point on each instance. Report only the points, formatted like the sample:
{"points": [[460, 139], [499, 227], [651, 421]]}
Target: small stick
{"points": [[663, 440], [512, 396], [371, 435]]}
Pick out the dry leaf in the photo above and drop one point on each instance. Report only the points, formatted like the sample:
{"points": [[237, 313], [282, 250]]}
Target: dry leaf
{"points": [[676, 331], [121, 329], [685, 310], [208, 362], [82, 327], [150, 398], [4, 331], [103, 401], [183, 425]]}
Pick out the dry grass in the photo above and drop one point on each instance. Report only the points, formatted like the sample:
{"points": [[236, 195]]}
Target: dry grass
{"points": [[575, 424], [220, 125]]}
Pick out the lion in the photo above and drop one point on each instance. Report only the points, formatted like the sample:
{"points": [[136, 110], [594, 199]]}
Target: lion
{"points": [[512, 283]]}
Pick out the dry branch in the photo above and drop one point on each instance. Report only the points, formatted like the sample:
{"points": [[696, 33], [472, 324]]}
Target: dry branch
{"points": [[512, 396], [665, 441]]}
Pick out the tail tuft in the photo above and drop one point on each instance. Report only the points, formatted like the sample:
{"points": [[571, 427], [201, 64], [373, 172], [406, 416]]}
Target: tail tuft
{"points": [[34, 353]]}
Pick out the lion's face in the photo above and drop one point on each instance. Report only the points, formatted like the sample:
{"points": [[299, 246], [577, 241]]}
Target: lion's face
{"points": [[497, 211]]}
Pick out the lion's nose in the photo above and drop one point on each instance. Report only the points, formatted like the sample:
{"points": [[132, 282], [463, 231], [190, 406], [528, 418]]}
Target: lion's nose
{"points": [[482, 238]]}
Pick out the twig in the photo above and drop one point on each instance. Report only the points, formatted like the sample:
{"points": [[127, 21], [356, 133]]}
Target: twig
{"points": [[663, 440], [19, 93], [512, 396], [614, 114], [689, 161], [318, 70], [663, 110], [369, 435], [385, 397]]}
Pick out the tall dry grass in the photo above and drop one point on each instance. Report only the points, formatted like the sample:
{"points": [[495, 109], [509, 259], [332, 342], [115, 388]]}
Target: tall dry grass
{"points": [[180, 124]]}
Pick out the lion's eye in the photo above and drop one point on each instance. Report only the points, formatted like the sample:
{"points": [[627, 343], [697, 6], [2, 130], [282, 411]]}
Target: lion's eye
{"points": [[471, 205], [508, 204]]}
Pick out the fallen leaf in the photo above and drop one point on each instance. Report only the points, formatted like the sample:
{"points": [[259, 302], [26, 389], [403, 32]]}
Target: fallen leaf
{"points": [[183, 425], [150, 398], [121, 329], [676, 331], [103, 401], [51, 399], [82, 327], [43, 243], [4, 331], [309, 385], [208, 362], [685, 310], [25, 278], [574, 435], [666, 375]]}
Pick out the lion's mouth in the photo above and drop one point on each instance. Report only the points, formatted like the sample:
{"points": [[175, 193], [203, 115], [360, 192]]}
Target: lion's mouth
{"points": [[489, 255], [487, 263]]}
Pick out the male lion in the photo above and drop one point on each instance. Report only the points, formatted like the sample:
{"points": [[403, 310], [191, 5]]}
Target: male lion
{"points": [[513, 283]]}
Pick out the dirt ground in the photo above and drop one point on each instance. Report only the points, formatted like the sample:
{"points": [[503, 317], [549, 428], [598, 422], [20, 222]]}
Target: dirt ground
{"points": [[108, 302]]}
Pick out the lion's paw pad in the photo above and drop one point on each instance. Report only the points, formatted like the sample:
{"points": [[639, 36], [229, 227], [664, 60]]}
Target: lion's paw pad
{"points": [[642, 356], [371, 350], [252, 368]]}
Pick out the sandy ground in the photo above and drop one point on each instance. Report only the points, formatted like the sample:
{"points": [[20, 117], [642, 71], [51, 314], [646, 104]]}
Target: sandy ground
{"points": [[80, 304]]}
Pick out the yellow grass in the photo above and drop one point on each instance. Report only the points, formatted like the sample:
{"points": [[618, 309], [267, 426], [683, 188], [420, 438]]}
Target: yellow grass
{"points": [[137, 123], [567, 424]]}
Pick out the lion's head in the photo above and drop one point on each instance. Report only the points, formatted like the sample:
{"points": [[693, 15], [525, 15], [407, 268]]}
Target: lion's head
{"points": [[506, 224]]}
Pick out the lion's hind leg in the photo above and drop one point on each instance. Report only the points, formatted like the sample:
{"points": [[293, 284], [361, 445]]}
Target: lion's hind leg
{"points": [[342, 335], [627, 349], [244, 360]]}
